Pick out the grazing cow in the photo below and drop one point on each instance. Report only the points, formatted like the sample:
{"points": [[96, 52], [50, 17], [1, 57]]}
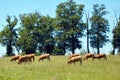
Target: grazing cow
{"points": [[75, 59], [32, 56], [99, 56], [14, 58], [73, 55], [44, 56], [28, 58], [25, 58], [22, 59], [90, 55]]}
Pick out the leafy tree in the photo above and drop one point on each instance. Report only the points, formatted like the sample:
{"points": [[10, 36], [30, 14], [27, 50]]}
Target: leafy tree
{"points": [[44, 34], [71, 27], [115, 31], [27, 41], [8, 35], [36, 33], [99, 27], [116, 37]]}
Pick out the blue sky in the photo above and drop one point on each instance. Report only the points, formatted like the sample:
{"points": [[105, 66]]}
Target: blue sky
{"points": [[48, 7]]}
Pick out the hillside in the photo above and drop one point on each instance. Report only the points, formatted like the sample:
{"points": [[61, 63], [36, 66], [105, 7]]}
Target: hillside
{"points": [[57, 69]]}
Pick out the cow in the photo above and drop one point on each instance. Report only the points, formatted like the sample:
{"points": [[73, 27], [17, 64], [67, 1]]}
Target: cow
{"points": [[99, 56], [73, 55], [44, 56], [25, 58], [86, 56], [32, 56], [22, 59], [75, 59], [14, 58]]}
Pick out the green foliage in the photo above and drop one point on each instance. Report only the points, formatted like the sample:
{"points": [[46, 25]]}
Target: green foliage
{"points": [[44, 34], [71, 27], [36, 33], [27, 42], [116, 36], [83, 51], [38, 53], [8, 35], [99, 27]]}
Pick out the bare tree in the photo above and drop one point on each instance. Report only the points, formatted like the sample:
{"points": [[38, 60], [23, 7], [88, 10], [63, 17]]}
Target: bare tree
{"points": [[87, 25]]}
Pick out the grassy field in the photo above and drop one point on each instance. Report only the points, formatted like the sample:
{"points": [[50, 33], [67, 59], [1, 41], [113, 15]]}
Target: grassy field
{"points": [[57, 69]]}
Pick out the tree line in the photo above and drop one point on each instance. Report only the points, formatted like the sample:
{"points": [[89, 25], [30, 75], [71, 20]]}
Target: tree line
{"points": [[44, 34]]}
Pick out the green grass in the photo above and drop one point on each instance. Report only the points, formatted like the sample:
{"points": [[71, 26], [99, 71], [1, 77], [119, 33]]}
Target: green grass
{"points": [[57, 69]]}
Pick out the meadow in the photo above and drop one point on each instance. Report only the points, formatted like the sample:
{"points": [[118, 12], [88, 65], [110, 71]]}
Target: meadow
{"points": [[58, 69]]}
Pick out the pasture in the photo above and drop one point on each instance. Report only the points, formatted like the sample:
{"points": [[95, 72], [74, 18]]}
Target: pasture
{"points": [[57, 69]]}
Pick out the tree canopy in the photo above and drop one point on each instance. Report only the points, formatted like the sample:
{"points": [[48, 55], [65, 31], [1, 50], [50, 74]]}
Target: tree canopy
{"points": [[71, 26], [116, 36], [99, 27], [44, 34], [8, 36]]}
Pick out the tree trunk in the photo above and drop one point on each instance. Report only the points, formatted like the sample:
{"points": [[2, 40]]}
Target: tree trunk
{"points": [[73, 45], [87, 18], [73, 49], [88, 44], [88, 51], [64, 43], [64, 47], [113, 51], [9, 50], [98, 49]]}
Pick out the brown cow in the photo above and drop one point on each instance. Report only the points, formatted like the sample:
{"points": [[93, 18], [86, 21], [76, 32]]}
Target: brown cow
{"points": [[22, 59], [14, 58], [73, 55], [99, 56], [28, 58], [32, 56], [90, 55], [75, 59], [44, 56], [25, 58]]}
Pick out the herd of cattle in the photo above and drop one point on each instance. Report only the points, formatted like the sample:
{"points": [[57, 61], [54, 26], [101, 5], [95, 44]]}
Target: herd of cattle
{"points": [[77, 58], [71, 59], [28, 58]]}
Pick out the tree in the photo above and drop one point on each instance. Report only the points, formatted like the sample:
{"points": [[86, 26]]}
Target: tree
{"points": [[87, 25], [36, 33], [8, 35], [115, 31], [71, 27], [44, 34], [27, 40], [99, 27], [116, 37]]}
